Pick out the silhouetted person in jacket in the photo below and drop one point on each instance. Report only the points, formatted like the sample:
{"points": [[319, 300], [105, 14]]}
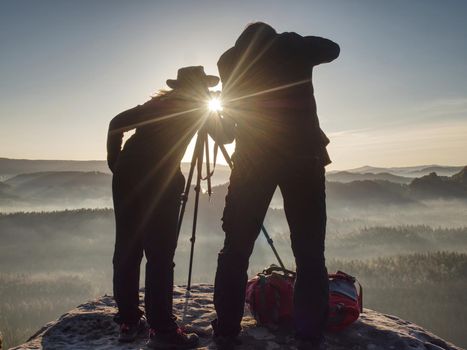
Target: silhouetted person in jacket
{"points": [[147, 185], [268, 93]]}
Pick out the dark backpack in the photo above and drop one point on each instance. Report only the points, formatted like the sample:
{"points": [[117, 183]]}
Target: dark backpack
{"points": [[269, 296]]}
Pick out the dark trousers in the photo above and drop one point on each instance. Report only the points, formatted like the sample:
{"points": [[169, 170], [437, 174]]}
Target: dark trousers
{"points": [[252, 185], [146, 214]]}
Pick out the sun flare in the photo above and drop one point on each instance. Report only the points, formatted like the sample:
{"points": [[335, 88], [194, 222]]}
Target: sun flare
{"points": [[215, 105]]}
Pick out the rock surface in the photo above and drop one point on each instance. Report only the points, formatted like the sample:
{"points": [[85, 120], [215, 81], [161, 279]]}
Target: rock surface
{"points": [[90, 326]]}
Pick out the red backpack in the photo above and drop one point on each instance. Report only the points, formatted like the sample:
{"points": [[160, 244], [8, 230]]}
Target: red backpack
{"points": [[269, 296], [345, 303]]}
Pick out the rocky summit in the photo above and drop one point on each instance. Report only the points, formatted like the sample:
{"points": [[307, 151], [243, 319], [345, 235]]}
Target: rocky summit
{"points": [[91, 326]]}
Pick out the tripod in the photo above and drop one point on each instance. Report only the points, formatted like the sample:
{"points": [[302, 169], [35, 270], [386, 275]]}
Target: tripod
{"points": [[201, 148]]}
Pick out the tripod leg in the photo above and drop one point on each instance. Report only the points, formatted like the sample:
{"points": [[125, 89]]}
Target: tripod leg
{"points": [[208, 165], [197, 150], [199, 167], [263, 229]]}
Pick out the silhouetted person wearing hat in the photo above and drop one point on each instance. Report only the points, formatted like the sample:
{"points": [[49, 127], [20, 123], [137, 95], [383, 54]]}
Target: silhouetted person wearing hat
{"points": [[268, 92], [147, 184]]}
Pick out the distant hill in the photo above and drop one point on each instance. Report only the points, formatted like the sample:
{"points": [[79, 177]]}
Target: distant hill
{"points": [[367, 169], [347, 176], [461, 176], [439, 170], [434, 186], [54, 190], [58, 190], [50, 179], [11, 167], [367, 193], [409, 171]]}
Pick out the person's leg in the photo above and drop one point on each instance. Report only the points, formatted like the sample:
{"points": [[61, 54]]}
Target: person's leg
{"points": [[303, 189], [250, 191], [128, 250], [159, 245]]}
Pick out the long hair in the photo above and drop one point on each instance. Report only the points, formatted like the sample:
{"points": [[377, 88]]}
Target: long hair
{"points": [[161, 93]]}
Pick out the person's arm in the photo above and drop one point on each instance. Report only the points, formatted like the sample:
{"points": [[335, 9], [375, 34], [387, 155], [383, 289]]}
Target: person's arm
{"points": [[320, 50], [118, 125], [315, 49], [123, 122], [223, 131]]}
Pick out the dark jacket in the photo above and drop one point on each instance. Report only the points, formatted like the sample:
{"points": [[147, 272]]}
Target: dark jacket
{"points": [[268, 91], [164, 127]]}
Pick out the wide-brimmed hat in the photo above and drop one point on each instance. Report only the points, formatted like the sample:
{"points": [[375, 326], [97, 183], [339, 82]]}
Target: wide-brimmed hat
{"points": [[192, 76]]}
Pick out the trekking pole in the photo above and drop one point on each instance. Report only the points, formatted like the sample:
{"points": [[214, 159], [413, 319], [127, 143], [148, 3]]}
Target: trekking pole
{"points": [[265, 232], [271, 243]]}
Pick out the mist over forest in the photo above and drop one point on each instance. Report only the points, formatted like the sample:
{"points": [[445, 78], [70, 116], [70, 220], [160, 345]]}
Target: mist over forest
{"points": [[401, 231]]}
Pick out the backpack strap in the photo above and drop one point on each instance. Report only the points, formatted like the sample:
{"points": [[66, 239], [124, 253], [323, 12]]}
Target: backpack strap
{"points": [[275, 268], [343, 275]]}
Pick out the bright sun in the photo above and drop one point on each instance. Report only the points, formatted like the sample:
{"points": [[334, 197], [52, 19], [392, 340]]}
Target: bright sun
{"points": [[215, 104]]}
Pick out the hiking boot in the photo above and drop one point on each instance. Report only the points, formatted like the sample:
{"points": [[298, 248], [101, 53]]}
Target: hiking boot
{"points": [[226, 342], [177, 339], [305, 344], [129, 332]]}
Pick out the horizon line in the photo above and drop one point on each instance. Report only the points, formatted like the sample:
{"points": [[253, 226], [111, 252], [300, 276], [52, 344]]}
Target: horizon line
{"points": [[337, 169]]}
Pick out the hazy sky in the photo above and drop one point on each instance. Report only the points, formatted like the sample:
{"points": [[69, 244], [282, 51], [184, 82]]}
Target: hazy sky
{"points": [[397, 95]]}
